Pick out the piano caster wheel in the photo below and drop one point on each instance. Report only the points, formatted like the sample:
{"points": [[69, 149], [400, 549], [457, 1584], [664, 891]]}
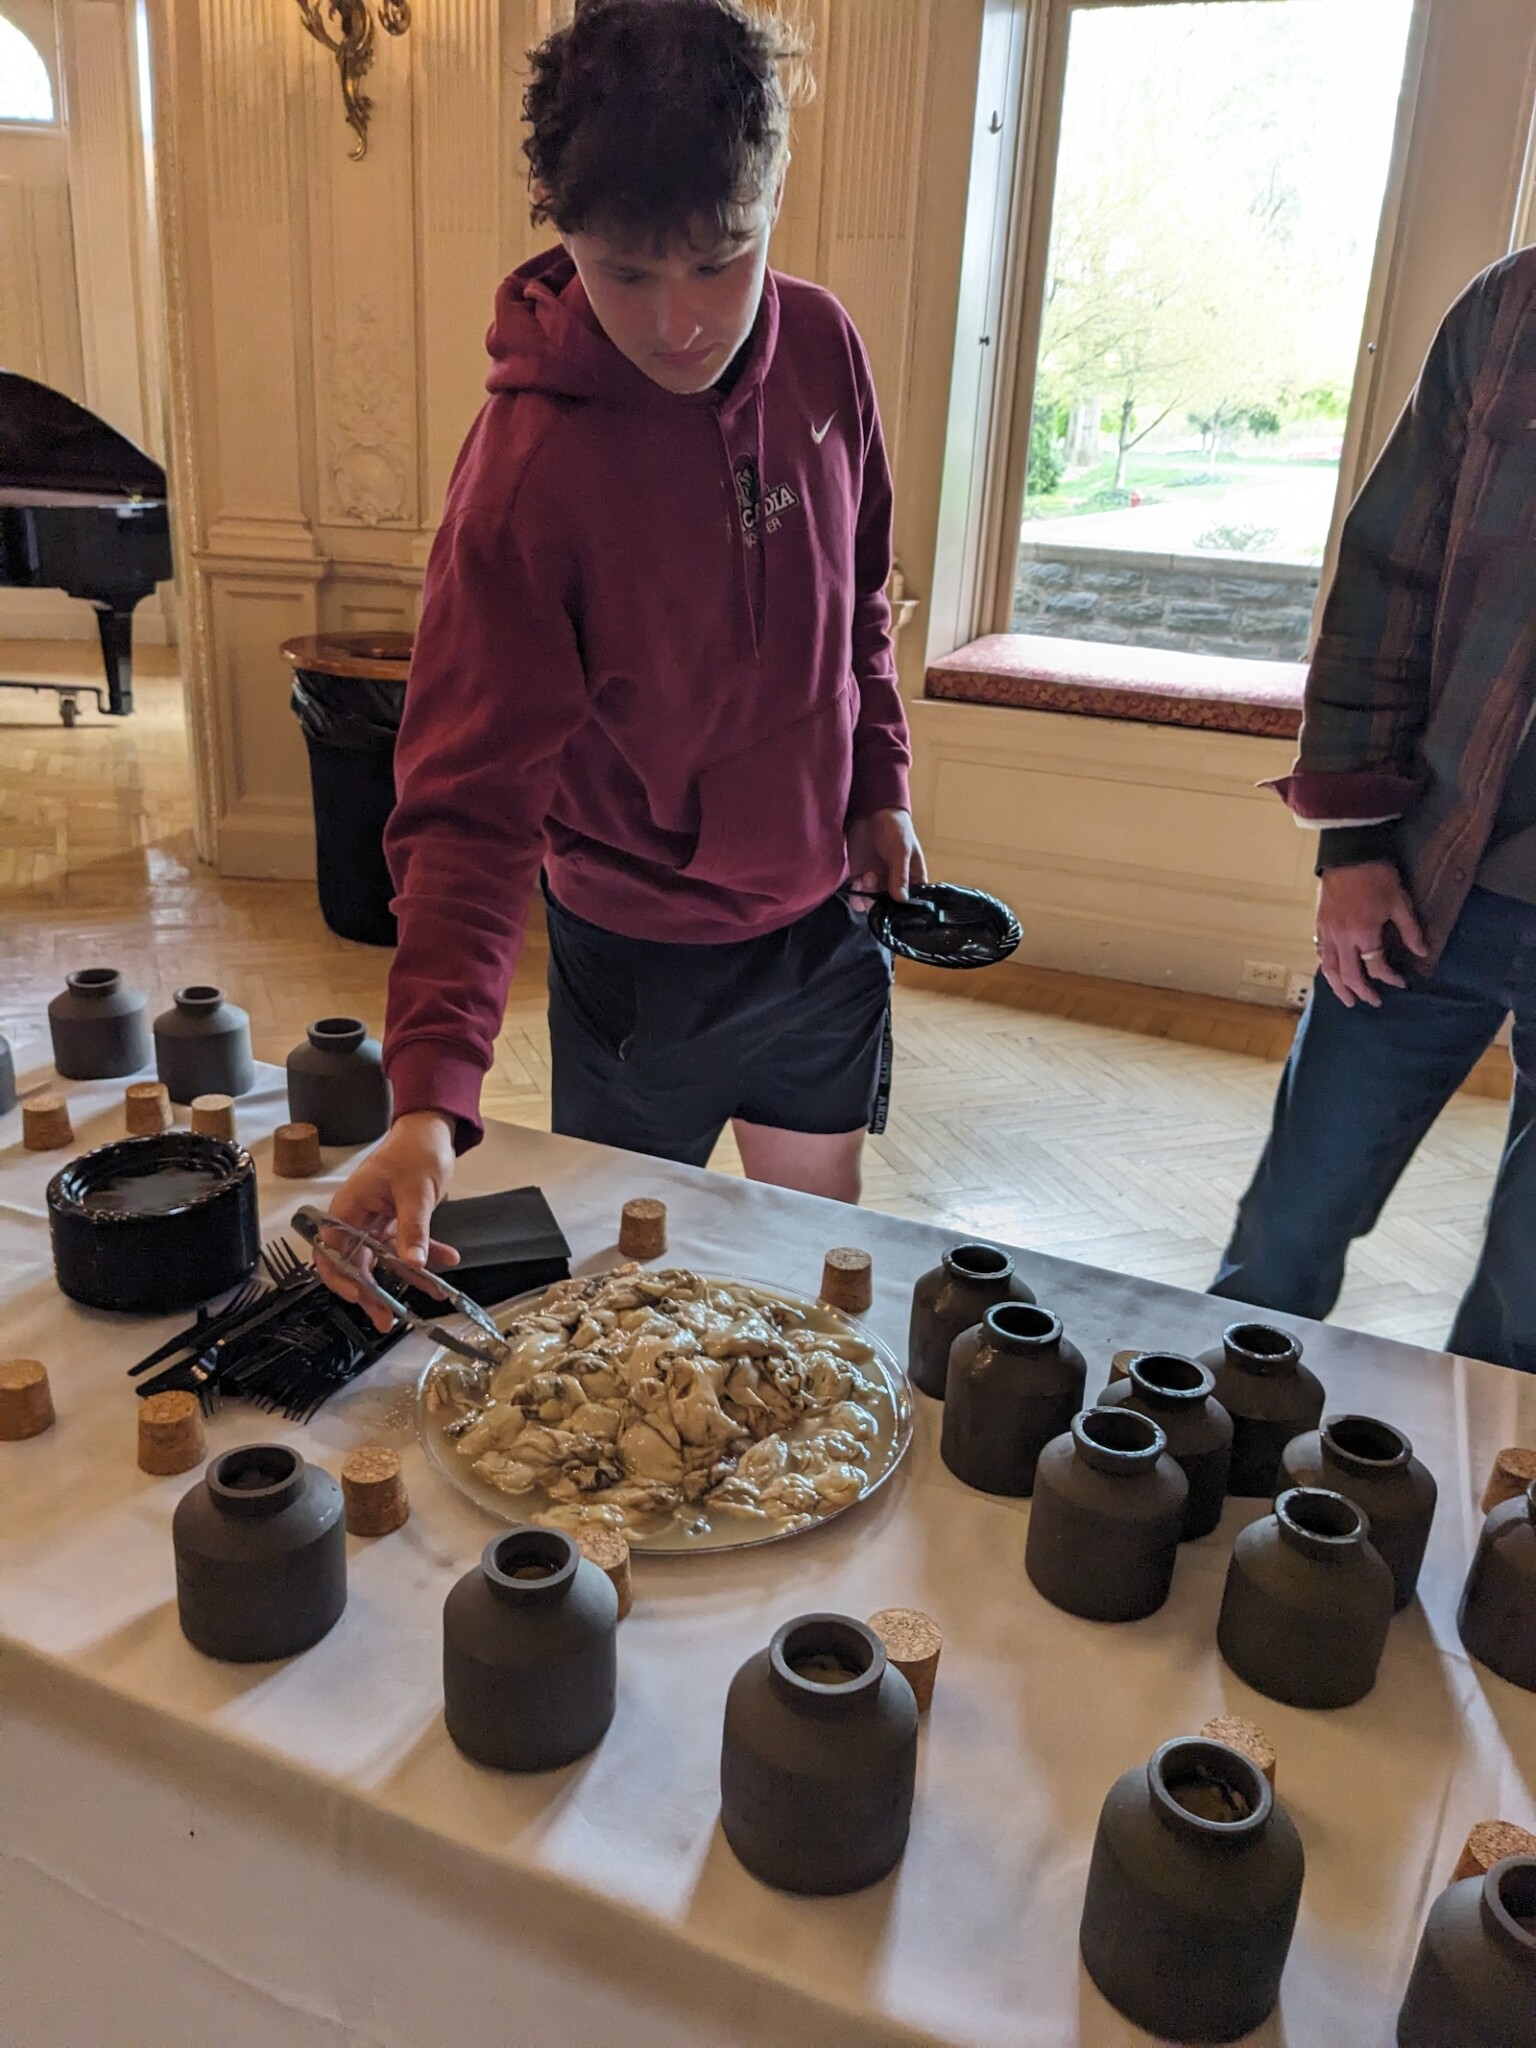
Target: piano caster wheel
{"points": [[69, 710]]}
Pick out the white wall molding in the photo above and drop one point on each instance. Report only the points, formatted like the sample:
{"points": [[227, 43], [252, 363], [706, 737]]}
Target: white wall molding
{"points": [[1141, 852]]}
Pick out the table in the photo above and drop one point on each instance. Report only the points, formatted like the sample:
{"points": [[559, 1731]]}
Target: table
{"points": [[294, 1856]]}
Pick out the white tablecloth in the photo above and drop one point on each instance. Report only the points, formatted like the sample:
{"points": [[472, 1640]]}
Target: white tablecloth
{"points": [[206, 1856]]}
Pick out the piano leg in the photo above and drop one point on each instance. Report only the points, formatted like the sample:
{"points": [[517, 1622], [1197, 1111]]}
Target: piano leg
{"points": [[115, 625]]}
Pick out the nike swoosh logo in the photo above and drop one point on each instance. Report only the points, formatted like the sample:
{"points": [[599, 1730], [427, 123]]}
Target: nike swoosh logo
{"points": [[819, 434]]}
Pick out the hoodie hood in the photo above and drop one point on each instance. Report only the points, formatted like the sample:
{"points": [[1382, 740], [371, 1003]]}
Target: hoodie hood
{"points": [[545, 337]]}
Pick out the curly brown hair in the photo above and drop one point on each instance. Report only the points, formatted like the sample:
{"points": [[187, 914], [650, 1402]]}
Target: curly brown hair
{"points": [[655, 119]]}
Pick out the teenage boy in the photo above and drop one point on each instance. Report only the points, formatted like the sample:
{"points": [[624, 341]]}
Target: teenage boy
{"points": [[654, 658]]}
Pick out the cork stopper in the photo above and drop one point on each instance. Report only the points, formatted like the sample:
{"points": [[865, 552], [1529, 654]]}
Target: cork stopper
{"points": [[374, 1490], [1244, 1737], [296, 1151], [847, 1279], [148, 1105], [1513, 1471], [912, 1642], [1120, 1365], [643, 1228], [609, 1551], [171, 1434], [26, 1401], [213, 1116], [1489, 1843], [45, 1124]]}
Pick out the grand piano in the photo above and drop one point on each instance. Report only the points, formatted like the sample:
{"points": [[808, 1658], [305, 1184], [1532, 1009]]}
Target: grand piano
{"points": [[81, 510]]}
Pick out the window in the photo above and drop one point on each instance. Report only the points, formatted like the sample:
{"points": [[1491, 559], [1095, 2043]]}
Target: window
{"points": [[1218, 189], [26, 91]]}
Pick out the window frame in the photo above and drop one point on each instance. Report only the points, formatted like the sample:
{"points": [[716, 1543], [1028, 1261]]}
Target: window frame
{"points": [[1032, 67], [28, 19]]}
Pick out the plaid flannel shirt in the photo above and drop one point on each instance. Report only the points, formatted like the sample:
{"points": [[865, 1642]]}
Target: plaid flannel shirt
{"points": [[1424, 674]]}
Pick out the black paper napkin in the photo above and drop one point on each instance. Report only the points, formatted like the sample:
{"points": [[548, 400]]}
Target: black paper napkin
{"points": [[507, 1244]]}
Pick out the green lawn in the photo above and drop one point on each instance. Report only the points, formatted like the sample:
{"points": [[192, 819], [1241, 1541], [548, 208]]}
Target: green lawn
{"points": [[1191, 478]]}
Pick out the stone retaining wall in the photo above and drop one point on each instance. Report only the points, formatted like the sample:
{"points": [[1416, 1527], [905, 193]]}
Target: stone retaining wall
{"points": [[1202, 604]]}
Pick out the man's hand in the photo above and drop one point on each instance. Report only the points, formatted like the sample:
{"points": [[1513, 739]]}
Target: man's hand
{"points": [[1354, 907], [392, 1196], [883, 854]]}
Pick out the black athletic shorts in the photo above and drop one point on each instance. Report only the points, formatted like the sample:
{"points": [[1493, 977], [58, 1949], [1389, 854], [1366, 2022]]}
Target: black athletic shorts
{"points": [[657, 1046]]}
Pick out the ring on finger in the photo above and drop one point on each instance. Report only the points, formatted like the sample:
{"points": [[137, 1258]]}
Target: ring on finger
{"points": [[1374, 953]]}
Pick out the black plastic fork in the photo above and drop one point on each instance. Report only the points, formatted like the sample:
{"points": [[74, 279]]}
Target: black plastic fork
{"points": [[284, 1266]]}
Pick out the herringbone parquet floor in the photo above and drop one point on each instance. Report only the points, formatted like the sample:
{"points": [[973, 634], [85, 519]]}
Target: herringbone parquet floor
{"points": [[1100, 1144]]}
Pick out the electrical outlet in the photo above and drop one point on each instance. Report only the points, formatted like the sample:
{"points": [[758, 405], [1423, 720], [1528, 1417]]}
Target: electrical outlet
{"points": [[1297, 990], [1264, 974]]}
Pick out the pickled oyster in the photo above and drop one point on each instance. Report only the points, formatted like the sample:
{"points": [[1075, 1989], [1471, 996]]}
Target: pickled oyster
{"points": [[632, 1395]]}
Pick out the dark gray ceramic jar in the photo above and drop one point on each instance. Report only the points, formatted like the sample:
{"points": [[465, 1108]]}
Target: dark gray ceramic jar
{"points": [[99, 1027], [1192, 1895], [954, 1296], [7, 1076], [530, 1658], [1497, 1617], [261, 1555], [1108, 1510], [1308, 1602], [336, 1082], [1015, 1382], [1271, 1397], [818, 1760], [203, 1046], [1372, 1464], [1474, 1977], [1180, 1397]]}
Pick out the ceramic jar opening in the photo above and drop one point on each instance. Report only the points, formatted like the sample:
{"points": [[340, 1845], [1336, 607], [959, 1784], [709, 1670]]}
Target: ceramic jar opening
{"points": [[1209, 1791], [978, 1262], [1117, 1440], [198, 1001], [256, 1480], [94, 981], [1509, 1902], [1166, 1376], [531, 1565], [1260, 1347], [1020, 1326], [1362, 1444], [337, 1034], [1322, 1524], [825, 1663]]}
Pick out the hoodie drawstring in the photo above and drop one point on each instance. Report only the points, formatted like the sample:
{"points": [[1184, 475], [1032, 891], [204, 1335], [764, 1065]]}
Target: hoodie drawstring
{"points": [[749, 536]]}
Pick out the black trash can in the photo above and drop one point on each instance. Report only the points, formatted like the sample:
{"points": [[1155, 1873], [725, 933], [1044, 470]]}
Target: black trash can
{"points": [[348, 695]]}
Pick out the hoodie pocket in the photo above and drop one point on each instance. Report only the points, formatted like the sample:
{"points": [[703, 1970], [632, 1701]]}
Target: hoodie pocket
{"points": [[772, 817]]}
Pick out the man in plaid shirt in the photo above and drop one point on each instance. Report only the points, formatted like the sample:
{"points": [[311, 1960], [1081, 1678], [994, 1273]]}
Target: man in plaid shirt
{"points": [[1418, 762]]}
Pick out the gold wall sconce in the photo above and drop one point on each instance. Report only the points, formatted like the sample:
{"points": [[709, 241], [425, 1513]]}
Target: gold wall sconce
{"points": [[346, 28]]}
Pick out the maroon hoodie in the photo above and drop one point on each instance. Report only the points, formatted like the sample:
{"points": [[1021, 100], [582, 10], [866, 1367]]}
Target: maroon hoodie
{"points": [[654, 655]]}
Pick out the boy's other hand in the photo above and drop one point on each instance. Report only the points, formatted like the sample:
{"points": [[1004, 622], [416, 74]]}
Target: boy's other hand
{"points": [[884, 856], [1358, 911], [392, 1196]]}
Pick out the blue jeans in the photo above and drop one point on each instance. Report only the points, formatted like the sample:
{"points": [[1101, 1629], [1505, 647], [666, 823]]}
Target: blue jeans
{"points": [[1360, 1089]]}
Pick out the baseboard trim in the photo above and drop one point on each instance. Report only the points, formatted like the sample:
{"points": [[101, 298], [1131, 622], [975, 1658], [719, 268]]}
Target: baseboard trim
{"points": [[267, 842], [1258, 1029]]}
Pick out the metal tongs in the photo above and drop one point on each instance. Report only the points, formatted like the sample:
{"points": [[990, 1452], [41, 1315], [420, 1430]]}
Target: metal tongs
{"points": [[489, 1349]]}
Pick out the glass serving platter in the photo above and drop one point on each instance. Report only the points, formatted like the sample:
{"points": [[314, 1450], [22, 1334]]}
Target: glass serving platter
{"points": [[700, 1525]]}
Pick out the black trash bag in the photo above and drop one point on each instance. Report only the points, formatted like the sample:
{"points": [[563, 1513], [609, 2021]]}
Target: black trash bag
{"points": [[349, 725], [348, 711]]}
